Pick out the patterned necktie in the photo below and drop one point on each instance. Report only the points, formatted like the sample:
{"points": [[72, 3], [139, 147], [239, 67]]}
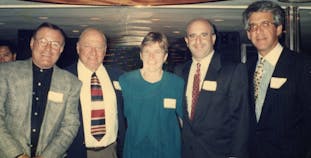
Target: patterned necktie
{"points": [[98, 122], [257, 77], [195, 90]]}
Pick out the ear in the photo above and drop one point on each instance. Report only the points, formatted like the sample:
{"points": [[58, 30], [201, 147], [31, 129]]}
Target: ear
{"points": [[105, 49], [32, 42], [248, 35], [279, 30], [62, 49], [14, 56], [165, 56], [214, 38], [140, 56], [186, 40], [77, 48]]}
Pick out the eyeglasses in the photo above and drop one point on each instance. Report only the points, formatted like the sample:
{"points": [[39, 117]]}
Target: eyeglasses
{"points": [[264, 25], [193, 36], [43, 42], [88, 48]]}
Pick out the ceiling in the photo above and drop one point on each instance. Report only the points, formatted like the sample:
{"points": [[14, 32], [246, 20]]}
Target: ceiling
{"points": [[126, 25]]}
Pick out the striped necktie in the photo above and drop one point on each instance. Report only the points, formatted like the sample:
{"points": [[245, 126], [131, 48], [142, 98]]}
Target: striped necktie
{"points": [[98, 121], [195, 90]]}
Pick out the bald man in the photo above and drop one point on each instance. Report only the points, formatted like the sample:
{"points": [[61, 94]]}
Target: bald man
{"points": [[100, 140], [215, 123]]}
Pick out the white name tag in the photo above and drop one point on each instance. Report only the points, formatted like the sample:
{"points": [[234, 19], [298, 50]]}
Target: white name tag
{"points": [[116, 85], [169, 103], [209, 85], [55, 96]]}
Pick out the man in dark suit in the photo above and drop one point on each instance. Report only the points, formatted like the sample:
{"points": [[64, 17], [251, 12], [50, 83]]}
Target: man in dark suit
{"points": [[280, 82], [91, 49], [215, 123], [38, 100]]}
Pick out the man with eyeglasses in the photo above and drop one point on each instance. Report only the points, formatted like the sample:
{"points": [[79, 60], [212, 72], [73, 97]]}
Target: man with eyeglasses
{"points": [[38, 101], [279, 81], [215, 123], [100, 136]]}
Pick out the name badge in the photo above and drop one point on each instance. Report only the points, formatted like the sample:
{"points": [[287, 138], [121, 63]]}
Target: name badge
{"points": [[55, 96], [116, 85], [169, 103], [209, 85]]}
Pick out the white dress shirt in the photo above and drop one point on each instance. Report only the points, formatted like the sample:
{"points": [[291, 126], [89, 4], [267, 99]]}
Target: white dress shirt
{"points": [[203, 70], [109, 104]]}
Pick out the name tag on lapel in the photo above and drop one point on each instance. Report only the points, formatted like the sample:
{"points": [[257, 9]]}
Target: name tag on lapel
{"points": [[209, 85], [55, 96], [116, 85], [169, 103], [277, 82]]}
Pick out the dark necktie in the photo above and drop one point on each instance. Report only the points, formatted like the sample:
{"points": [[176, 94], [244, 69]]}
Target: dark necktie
{"points": [[195, 90], [98, 122]]}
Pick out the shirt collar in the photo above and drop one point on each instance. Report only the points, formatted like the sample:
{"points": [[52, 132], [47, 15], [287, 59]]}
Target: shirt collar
{"points": [[82, 69], [273, 56], [37, 69], [205, 61]]}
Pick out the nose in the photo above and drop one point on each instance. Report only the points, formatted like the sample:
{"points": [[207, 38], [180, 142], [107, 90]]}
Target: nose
{"points": [[48, 46], [259, 29], [151, 55], [93, 51], [198, 39]]}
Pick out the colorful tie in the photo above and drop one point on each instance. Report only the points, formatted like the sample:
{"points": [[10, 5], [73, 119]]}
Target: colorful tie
{"points": [[195, 90], [98, 122], [257, 77]]}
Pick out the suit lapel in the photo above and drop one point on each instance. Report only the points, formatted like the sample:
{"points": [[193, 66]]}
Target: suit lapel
{"points": [[282, 68], [185, 73], [211, 75], [51, 111], [214, 67], [27, 89], [252, 67]]}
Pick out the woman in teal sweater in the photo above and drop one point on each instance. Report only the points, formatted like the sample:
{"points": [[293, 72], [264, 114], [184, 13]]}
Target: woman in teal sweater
{"points": [[152, 104]]}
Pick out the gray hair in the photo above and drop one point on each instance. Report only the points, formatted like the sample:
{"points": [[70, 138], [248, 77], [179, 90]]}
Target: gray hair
{"points": [[264, 6]]}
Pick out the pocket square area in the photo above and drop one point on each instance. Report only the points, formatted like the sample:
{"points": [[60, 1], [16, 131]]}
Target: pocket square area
{"points": [[277, 82]]}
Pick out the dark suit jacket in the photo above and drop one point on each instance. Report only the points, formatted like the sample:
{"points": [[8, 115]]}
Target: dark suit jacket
{"points": [[78, 149], [219, 128], [284, 125]]}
